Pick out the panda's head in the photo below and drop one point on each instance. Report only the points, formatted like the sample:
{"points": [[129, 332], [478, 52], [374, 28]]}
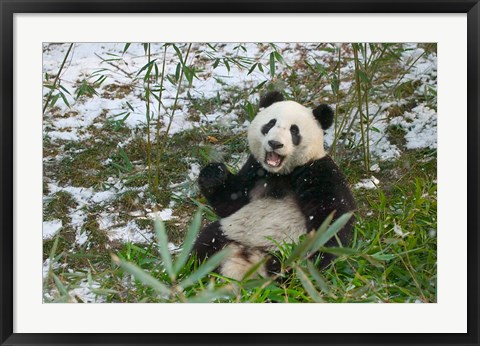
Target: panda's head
{"points": [[285, 134]]}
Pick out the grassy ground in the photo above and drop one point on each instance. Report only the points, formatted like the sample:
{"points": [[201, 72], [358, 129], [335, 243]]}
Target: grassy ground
{"points": [[101, 188]]}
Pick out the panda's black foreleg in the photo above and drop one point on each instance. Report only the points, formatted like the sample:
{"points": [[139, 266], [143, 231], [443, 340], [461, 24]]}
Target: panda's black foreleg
{"points": [[227, 192], [223, 190], [210, 240]]}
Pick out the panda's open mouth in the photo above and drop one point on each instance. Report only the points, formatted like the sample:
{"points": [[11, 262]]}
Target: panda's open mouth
{"points": [[273, 159]]}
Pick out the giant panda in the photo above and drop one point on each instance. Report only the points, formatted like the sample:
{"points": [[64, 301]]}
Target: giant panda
{"points": [[287, 187]]}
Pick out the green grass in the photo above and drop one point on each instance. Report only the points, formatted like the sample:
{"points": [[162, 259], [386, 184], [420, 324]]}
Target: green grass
{"points": [[392, 256]]}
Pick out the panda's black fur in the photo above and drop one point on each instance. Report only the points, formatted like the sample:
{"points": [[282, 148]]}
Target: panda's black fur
{"points": [[315, 189]]}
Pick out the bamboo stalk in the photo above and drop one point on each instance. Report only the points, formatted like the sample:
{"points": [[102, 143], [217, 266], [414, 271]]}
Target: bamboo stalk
{"points": [[157, 137], [147, 95], [359, 97]]}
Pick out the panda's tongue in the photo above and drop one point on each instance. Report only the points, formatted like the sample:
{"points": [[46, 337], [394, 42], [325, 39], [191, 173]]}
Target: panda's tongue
{"points": [[273, 159]]}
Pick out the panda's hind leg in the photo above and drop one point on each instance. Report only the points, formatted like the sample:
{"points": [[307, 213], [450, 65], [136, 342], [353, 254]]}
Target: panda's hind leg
{"points": [[240, 260], [210, 240]]}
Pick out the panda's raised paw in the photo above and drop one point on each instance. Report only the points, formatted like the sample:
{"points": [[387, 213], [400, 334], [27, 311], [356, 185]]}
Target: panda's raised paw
{"points": [[212, 176]]}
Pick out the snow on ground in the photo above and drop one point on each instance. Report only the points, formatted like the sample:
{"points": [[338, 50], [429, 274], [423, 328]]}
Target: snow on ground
{"points": [[163, 215], [421, 127], [51, 228], [46, 267], [128, 233], [85, 294], [370, 183]]}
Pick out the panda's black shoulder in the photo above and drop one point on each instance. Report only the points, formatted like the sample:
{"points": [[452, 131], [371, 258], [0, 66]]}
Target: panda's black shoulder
{"points": [[323, 179], [324, 168]]}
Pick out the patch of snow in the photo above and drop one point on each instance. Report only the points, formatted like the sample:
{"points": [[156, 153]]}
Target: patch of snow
{"points": [[398, 231], [81, 237], [46, 267], [129, 233], [174, 248], [164, 215], [136, 213], [103, 196], [370, 183], [194, 171], [78, 217], [421, 127], [85, 294], [51, 228], [82, 195], [71, 135], [106, 221]]}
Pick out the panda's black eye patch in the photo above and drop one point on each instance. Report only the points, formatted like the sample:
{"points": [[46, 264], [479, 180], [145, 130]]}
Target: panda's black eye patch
{"points": [[295, 131], [268, 126]]}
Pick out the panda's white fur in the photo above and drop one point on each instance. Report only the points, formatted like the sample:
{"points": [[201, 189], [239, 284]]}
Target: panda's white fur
{"points": [[265, 221], [287, 113]]}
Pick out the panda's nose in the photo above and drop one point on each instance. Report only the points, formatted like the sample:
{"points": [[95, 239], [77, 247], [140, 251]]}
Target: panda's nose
{"points": [[275, 144]]}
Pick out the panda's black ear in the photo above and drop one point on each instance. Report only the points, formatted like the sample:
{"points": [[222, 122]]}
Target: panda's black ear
{"points": [[270, 98], [324, 114]]}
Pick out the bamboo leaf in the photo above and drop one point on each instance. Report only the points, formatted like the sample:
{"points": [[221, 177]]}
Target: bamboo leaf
{"points": [[52, 255], [49, 86], [128, 163], [177, 71], [192, 232], [188, 74], [253, 269], [339, 251], [209, 296], [335, 84], [54, 100], [227, 65], [61, 288], [163, 247], [130, 106], [64, 99], [317, 277], [207, 267], [179, 54], [62, 87], [363, 76], [142, 276], [144, 67], [278, 57], [252, 69], [307, 284], [272, 64], [156, 72], [149, 71], [300, 249], [321, 237], [127, 45]]}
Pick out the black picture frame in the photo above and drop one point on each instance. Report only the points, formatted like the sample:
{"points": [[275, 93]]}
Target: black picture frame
{"points": [[10, 7]]}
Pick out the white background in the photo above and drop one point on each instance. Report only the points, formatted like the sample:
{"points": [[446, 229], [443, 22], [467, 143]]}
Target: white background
{"points": [[446, 316]]}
